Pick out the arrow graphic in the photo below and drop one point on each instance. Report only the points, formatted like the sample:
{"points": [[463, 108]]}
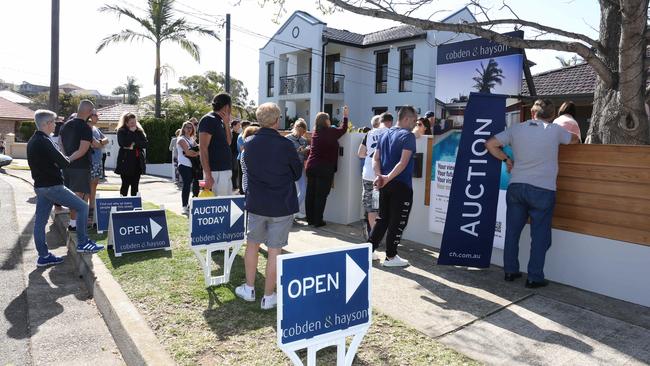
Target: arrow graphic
{"points": [[235, 213], [155, 228], [354, 276]]}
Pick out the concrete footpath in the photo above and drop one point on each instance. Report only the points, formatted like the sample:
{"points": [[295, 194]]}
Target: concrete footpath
{"points": [[48, 317], [475, 311]]}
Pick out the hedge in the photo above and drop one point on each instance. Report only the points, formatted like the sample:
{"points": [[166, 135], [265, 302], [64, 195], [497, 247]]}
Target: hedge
{"points": [[26, 130], [159, 133]]}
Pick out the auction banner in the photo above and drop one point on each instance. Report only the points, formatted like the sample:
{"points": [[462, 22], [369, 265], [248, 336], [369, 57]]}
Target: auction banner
{"points": [[477, 65], [471, 214]]}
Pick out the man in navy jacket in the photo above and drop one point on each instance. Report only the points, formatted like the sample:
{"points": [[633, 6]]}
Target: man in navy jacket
{"points": [[271, 166]]}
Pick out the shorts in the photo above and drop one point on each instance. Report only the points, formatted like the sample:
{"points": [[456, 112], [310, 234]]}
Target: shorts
{"points": [[272, 231], [77, 180], [366, 196], [95, 171], [222, 182]]}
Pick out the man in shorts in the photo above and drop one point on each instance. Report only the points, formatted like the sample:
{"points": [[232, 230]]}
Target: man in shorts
{"points": [[214, 146], [76, 137], [271, 199], [367, 152]]}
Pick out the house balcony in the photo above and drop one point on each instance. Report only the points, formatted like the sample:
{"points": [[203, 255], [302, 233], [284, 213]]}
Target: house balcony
{"points": [[295, 84], [301, 84]]}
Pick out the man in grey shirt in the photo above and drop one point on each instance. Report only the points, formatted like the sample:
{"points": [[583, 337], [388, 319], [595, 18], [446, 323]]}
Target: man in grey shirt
{"points": [[531, 192]]}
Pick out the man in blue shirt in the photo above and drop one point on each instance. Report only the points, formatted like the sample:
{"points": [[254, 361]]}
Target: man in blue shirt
{"points": [[214, 146], [271, 167], [393, 167]]}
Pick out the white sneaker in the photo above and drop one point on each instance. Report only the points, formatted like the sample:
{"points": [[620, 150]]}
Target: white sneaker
{"points": [[396, 261], [375, 256], [269, 302], [185, 210], [299, 216], [245, 293]]}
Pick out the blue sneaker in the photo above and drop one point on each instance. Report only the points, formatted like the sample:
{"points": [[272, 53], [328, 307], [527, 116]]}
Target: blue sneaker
{"points": [[49, 260], [89, 247]]}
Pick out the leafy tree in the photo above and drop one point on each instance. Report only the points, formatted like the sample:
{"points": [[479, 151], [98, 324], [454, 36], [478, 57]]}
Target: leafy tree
{"points": [[488, 77], [617, 55], [159, 26], [120, 90], [212, 83]]}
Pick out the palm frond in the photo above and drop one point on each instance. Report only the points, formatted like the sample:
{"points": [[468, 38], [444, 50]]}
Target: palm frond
{"points": [[120, 11], [126, 35], [189, 46]]}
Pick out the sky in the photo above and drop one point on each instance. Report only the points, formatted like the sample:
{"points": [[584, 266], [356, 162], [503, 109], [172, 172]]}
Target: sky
{"points": [[456, 78], [25, 37]]}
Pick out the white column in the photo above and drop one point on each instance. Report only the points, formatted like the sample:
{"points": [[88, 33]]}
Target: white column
{"points": [[316, 86]]}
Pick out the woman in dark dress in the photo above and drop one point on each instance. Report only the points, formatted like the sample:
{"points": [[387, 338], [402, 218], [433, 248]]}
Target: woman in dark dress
{"points": [[321, 165], [131, 157]]}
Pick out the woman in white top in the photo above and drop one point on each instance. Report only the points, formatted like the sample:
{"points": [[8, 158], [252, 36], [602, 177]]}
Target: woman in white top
{"points": [[184, 146]]}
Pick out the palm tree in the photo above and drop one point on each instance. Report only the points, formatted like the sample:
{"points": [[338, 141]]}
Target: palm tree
{"points": [[159, 25], [566, 62], [120, 90], [488, 77], [132, 90]]}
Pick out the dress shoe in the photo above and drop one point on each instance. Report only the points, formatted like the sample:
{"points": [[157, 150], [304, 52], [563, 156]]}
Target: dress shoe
{"points": [[320, 224], [512, 276], [536, 284]]}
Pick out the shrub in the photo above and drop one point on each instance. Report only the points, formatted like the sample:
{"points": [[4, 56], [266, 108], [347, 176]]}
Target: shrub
{"points": [[159, 132], [26, 130]]}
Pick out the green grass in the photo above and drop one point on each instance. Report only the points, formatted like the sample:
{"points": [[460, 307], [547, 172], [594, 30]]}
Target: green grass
{"points": [[108, 187], [213, 327], [17, 167]]}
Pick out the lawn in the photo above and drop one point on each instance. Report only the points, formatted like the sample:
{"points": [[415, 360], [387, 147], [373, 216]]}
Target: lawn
{"points": [[214, 327]]}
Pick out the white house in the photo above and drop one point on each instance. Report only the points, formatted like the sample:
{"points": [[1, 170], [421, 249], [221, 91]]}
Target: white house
{"points": [[308, 67]]}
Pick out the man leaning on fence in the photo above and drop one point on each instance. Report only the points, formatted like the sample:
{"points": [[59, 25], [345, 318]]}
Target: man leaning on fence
{"points": [[531, 191], [46, 161]]}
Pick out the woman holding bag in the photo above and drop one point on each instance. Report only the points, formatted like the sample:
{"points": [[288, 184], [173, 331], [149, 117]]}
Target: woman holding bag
{"points": [[131, 158], [187, 160]]}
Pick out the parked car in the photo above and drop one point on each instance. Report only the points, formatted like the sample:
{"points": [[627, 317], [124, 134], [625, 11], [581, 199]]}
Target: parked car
{"points": [[5, 160]]}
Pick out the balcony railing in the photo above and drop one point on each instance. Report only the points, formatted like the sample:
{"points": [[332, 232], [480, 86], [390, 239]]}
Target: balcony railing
{"points": [[301, 84], [334, 83], [295, 84]]}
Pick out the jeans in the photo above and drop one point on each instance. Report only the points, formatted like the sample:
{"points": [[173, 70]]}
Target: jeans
{"points": [[188, 183], [523, 201], [301, 187], [132, 181], [395, 201], [46, 197], [319, 183]]}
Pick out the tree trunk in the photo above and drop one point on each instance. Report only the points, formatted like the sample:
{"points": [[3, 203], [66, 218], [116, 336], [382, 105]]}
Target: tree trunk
{"points": [[619, 115], [156, 80]]}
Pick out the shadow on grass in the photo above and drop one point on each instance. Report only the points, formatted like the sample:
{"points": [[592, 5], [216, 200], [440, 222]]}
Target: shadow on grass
{"points": [[227, 315]]}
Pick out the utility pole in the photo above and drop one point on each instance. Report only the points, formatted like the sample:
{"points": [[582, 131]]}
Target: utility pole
{"points": [[54, 62], [228, 53]]}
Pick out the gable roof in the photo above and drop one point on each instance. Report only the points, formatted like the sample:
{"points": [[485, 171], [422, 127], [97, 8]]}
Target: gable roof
{"points": [[15, 97], [401, 32], [114, 112], [571, 80], [14, 111]]}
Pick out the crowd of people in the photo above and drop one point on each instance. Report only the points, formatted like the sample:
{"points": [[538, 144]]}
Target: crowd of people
{"points": [[231, 155]]}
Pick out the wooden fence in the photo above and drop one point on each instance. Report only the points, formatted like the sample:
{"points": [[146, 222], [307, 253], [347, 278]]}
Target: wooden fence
{"points": [[602, 190]]}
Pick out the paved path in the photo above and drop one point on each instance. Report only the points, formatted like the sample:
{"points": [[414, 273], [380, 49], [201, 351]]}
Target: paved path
{"points": [[48, 318], [476, 312]]}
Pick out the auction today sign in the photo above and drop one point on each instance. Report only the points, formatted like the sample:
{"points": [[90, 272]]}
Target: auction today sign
{"points": [[216, 220], [138, 231], [471, 215], [323, 296]]}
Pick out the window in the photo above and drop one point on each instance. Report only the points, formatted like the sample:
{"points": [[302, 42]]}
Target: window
{"points": [[270, 78], [381, 75], [379, 110], [406, 69]]}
